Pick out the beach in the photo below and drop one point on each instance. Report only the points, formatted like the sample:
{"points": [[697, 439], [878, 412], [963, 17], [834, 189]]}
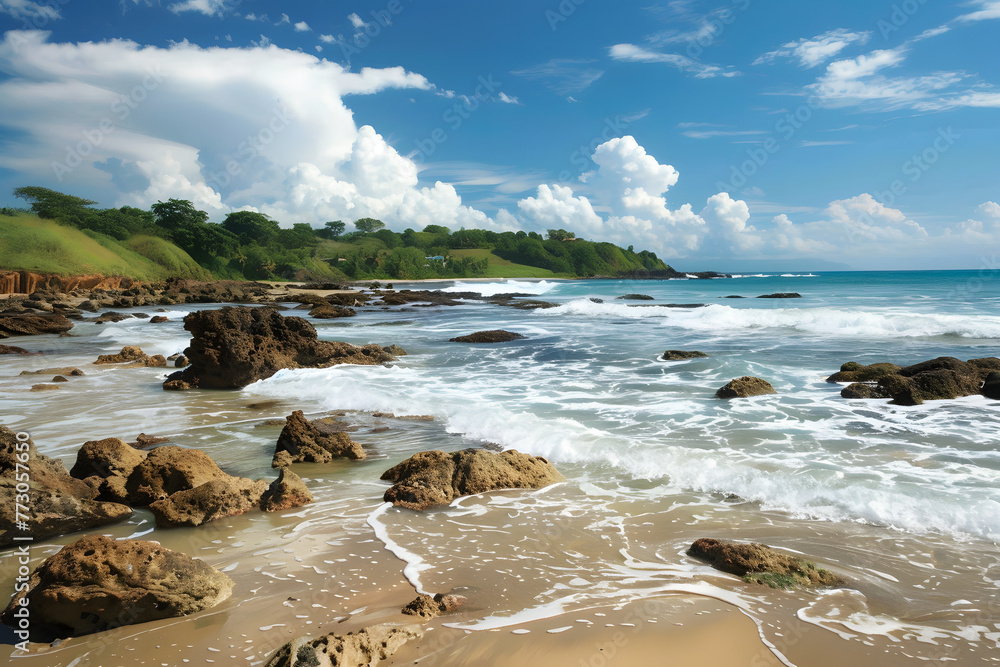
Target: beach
{"points": [[901, 501]]}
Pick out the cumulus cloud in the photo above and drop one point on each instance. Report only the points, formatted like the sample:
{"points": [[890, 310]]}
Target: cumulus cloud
{"points": [[302, 26], [818, 49], [727, 218], [555, 207]]}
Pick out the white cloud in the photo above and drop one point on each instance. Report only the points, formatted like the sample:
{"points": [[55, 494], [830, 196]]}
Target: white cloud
{"points": [[727, 218], [819, 49], [356, 21], [864, 219], [637, 54], [988, 9], [206, 7], [990, 210], [29, 11], [507, 99], [563, 77], [283, 20], [555, 207], [302, 26], [328, 39]]}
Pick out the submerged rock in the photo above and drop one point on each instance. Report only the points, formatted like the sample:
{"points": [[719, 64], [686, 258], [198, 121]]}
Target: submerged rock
{"points": [[59, 504], [234, 346], [426, 606], [286, 492], [745, 387], [365, 648], [761, 564], [394, 350], [936, 379], [29, 324], [680, 355], [302, 440], [97, 584], [781, 295], [634, 297], [134, 357], [434, 478], [12, 349], [494, 336]]}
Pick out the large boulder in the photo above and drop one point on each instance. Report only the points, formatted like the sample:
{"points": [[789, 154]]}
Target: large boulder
{"points": [[234, 346], [286, 492], [855, 372], [936, 379], [929, 385], [494, 336], [303, 440], [434, 478], [59, 504], [98, 584], [745, 387], [365, 648], [167, 470], [862, 390], [29, 324], [108, 463], [761, 564], [216, 499]]}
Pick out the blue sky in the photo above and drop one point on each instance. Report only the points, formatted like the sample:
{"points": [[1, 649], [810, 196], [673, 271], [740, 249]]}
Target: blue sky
{"points": [[724, 134]]}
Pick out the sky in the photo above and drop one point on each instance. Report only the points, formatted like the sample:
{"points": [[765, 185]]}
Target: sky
{"points": [[726, 134]]}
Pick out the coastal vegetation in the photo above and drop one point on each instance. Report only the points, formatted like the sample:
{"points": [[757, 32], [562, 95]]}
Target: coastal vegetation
{"points": [[61, 233]]}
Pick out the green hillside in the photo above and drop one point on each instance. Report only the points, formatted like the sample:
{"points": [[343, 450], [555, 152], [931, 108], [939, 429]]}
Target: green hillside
{"points": [[503, 268], [44, 246]]}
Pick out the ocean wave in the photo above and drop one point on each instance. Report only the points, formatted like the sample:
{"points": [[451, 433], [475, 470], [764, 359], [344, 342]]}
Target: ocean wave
{"points": [[825, 321], [506, 287]]}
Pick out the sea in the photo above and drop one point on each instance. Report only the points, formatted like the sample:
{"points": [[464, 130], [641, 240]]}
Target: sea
{"points": [[903, 502]]}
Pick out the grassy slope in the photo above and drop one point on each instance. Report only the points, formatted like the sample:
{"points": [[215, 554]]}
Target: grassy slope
{"points": [[502, 268], [32, 244]]}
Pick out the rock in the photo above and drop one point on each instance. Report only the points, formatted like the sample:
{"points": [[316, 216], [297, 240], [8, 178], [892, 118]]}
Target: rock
{"points": [[985, 366], [928, 386], [65, 370], [678, 355], [110, 461], [44, 387], [12, 349], [98, 584], [761, 564], [365, 648], [745, 387], [781, 295], [286, 492], [112, 316], [861, 390], [991, 388], [59, 504], [328, 311], [133, 356], [167, 470], [594, 299], [734, 296], [634, 297], [302, 440], [426, 606], [282, 460], [434, 478], [158, 319], [494, 336], [512, 301], [30, 324], [234, 346], [59, 378], [855, 372], [143, 441], [219, 498], [394, 350]]}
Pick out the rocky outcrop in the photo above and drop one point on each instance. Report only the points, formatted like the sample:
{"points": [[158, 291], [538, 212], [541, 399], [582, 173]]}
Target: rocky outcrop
{"points": [[761, 564], [219, 498], [234, 346], [494, 336], [936, 379], [106, 465], [27, 282], [59, 504], [97, 584], [365, 648], [286, 492], [394, 350], [781, 295], [680, 355], [635, 297], [302, 440], [434, 478], [30, 324], [329, 311], [167, 470], [428, 607], [12, 349], [745, 387], [134, 357]]}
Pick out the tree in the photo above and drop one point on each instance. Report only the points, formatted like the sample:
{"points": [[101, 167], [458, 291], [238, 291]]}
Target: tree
{"points": [[332, 230], [177, 214], [56, 206], [560, 235], [368, 225], [250, 226]]}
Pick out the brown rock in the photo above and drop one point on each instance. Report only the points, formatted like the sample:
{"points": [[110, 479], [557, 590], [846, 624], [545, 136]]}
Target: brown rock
{"points": [[303, 441], [112, 316], [861, 390], [134, 357], [234, 346], [12, 349], [219, 498], [167, 470], [65, 370], [44, 387], [328, 311], [158, 319], [494, 336], [680, 355], [394, 350], [745, 387], [97, 584], [761, 564], [109, 463], [286, 492], [30, 324], [929, 385], [426, 606], [434, 478], [855, 372], [59, 378], [365, 648]]}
